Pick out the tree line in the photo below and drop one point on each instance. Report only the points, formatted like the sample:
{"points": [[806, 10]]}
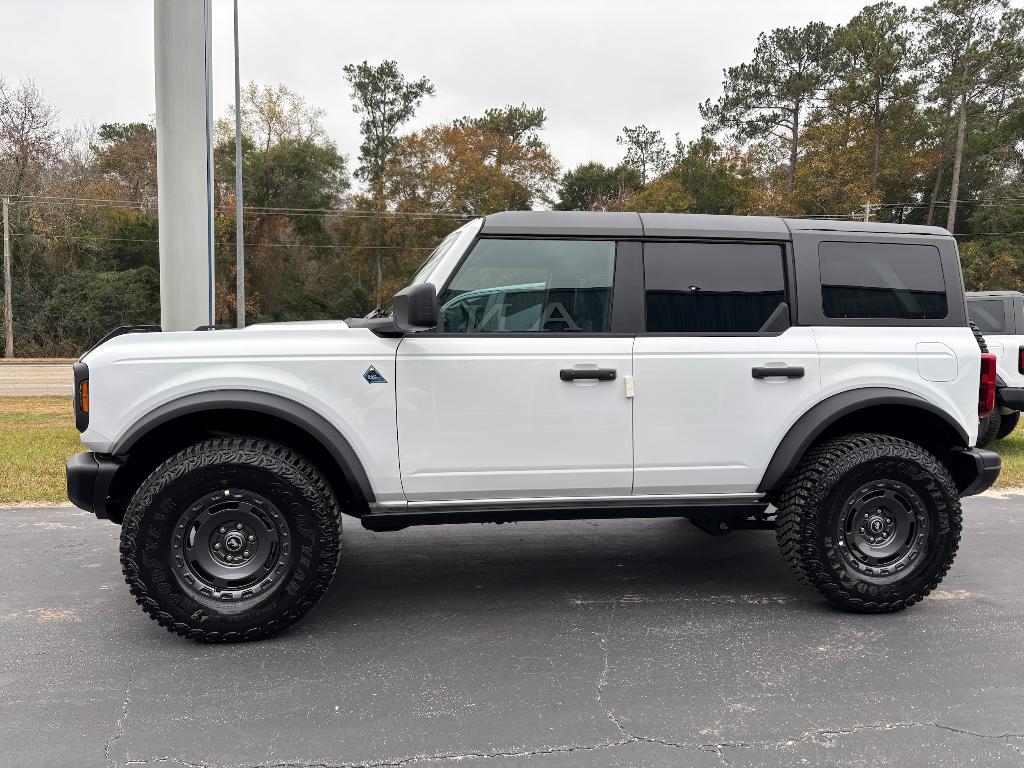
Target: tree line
{"points": [[896, 115]]}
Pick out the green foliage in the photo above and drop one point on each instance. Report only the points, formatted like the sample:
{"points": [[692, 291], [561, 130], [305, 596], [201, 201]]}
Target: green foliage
{"points": [[475, 166], [132, 244], [86, 305], [645, 151], [902, 110], [766, 98], [386, 100], [597, 187]]}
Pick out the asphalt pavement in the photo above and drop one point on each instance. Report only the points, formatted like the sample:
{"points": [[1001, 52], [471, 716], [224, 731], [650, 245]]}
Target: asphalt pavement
{"points": [[585, 643], [36, 379]]}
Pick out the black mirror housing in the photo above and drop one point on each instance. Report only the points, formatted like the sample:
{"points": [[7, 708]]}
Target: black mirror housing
{"points": [[414, 309]]}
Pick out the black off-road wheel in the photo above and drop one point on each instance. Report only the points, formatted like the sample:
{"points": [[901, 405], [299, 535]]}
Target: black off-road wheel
{"points": [[870, 521], [1007, 423], [231, 539], [988, 428]]}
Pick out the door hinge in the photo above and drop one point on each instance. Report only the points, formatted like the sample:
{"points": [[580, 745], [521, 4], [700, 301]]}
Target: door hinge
{"points": [[630, 386]]}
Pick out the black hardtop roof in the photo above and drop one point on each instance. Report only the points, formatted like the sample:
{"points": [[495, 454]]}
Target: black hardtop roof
{"points": [[696, 225], [991, 294]]}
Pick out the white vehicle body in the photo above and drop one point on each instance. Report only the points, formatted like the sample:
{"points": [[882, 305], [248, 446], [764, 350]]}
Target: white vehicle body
{"points": [[462, 418], [817, 379], [999, 316]]}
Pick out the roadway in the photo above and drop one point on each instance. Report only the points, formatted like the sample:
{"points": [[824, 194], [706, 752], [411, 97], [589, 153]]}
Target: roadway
{"points": [[584, 643]]}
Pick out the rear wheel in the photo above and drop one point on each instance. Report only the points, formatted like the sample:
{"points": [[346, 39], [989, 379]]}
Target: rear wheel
{"points": [[231, 539], [1007, 423], [988, 428], [870, 521]]}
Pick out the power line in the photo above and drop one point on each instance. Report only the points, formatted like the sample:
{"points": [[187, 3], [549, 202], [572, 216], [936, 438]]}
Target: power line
{"points": [[254, 245], [353, 212]]}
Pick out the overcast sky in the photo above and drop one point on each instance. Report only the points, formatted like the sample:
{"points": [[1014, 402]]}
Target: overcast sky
{"points": [[594, 65]]}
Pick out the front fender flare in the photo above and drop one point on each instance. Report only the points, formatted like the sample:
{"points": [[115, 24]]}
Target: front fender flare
{"points": [[265, 403], [809, 427]]}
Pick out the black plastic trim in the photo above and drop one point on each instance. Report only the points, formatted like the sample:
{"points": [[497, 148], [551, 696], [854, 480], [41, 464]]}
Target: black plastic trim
{"points": [[89, 476], [1011, 397], [974, 470], [258, 402], [491, 512], [628, 288], [817, 419], [120, 331]]}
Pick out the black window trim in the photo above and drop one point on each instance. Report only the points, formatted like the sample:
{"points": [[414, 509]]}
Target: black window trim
{"points": [[788, 283]]}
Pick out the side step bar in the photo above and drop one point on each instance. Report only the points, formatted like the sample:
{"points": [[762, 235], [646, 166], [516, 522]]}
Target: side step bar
{"points": [[501, 511]]}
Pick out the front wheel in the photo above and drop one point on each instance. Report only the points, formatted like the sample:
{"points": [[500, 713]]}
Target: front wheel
{"points": [[871, 521], [231, 539]]}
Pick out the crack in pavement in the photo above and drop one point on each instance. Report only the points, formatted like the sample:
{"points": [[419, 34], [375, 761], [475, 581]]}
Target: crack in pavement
{"points": [[825, 736], [602, 679], [124, 716], [822, 735]]}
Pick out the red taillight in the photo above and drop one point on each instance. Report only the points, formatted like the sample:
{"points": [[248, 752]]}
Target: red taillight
{"points": [[987, 385]]}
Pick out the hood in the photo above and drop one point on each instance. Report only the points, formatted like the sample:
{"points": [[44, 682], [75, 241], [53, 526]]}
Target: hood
{"points": [[316, 325]]}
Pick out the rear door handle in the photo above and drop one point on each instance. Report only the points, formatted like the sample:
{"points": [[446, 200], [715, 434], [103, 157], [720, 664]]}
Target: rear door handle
{"points": [[787, 371], [575, 374]]}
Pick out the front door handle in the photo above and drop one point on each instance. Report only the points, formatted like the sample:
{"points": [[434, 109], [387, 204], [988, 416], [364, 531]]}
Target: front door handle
{"points": [[575, 374], [787, 371]]}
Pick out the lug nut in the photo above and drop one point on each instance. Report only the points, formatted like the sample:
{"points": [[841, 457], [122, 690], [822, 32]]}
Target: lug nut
{"points": [[238, 526], [251, 537], [223, 529], [246, 553], [216, 546]]}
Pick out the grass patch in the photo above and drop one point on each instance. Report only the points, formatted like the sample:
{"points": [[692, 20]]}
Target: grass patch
{"points": [[1011, 450], [37, 434]]}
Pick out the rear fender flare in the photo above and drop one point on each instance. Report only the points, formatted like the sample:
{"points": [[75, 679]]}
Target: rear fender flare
{"points": [[809, 427]]}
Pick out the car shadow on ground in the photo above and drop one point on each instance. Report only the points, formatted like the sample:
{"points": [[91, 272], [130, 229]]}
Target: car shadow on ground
{"points": [[577, 562]]}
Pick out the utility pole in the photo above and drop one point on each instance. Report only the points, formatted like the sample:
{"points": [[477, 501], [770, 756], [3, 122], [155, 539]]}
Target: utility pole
{"points": [[8, 304], [867, 211], [239, 222]]}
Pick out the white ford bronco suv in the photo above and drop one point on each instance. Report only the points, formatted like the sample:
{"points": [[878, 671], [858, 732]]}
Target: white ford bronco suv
{"points": [[999, 315], [819, 379]]}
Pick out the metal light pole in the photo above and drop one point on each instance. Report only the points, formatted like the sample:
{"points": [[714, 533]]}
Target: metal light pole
{"points": [[239, 223], [184, 146]]}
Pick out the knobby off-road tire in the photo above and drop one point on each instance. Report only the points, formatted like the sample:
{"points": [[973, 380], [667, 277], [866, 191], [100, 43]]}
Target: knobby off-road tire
{"points": [[231, 539], [870, 521], [988, 428], [1007, 423]]}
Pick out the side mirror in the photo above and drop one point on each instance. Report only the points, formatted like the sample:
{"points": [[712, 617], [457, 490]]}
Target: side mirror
{"points": [[414, 309]]}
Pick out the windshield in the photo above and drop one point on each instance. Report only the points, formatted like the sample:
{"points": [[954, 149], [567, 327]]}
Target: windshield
{"points": [[434, 257]]}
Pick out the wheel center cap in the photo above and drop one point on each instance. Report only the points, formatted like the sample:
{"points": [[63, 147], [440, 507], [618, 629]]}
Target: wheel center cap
{"points": [[234, 541], [876, 525]]}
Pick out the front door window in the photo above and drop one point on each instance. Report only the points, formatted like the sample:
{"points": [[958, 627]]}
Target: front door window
{"points": [[531, 286]]}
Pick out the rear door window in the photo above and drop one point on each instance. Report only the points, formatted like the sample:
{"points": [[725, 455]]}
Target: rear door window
{"points": [[988, 314], [712, 287], [882, 280]]}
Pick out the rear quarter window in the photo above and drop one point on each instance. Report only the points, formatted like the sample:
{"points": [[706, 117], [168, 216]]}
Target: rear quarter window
{"points": [[882, 280], [988, 314]]}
